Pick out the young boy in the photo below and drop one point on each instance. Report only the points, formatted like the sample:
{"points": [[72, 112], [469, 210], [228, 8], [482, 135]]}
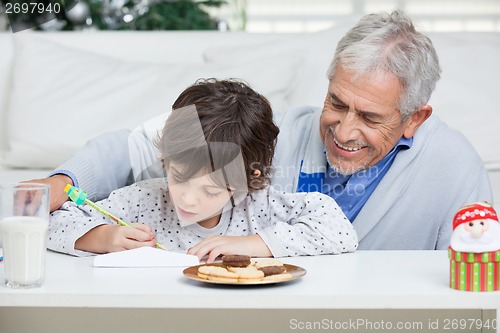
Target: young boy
{"points": [[216, 148]]}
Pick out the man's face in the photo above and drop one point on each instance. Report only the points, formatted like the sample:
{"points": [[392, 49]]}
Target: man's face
{"points": [[360, 122]]}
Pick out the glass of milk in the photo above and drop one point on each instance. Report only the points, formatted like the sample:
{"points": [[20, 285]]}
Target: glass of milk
{"points": [[24, 221]]}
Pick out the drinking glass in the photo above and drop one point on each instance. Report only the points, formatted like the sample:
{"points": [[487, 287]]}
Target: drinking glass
{"points": [[24, 221]]}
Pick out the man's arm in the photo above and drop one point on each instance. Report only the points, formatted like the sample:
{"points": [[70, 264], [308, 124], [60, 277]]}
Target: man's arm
{"points": [[100, 167], [108, 162]]}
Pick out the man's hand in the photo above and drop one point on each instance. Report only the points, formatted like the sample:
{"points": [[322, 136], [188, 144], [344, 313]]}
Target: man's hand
{"points": [[214, 246], [112, 238], [57, 184]]}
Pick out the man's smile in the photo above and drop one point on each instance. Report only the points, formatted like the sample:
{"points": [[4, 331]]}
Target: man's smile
{"points": [[350, 149]]}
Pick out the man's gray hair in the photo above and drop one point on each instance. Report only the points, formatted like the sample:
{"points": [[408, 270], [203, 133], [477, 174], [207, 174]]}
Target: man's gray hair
{"points": [[390, 43]]}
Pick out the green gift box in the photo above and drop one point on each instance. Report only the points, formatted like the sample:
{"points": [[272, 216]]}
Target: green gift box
{"points": [[471, 271]]}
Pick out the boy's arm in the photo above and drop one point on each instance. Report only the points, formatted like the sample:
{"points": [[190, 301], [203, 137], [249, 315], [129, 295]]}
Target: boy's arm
{"points": [[69, 224], [307, 224], [81, 230], [113, 238], [214, 246]]}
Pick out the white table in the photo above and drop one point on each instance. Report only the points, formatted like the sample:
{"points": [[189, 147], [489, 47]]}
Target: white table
{"points": [[382, 285]]}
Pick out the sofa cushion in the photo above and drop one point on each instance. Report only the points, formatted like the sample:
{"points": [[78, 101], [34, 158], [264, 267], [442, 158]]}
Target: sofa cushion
{"points": [[61, 97]]}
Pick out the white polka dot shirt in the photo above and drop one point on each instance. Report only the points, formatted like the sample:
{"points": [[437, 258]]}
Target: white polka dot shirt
{"points": [[291, 224]]}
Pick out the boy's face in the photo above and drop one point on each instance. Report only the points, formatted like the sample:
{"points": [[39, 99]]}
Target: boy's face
{"points": [[197, 199]]}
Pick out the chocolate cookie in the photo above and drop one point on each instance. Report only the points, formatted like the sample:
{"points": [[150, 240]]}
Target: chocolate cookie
{"points": [[272, 270], [236, 260]]}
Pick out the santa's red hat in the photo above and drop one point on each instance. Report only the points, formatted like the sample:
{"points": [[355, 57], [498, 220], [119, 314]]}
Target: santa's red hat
{"points": [[476, 211]]}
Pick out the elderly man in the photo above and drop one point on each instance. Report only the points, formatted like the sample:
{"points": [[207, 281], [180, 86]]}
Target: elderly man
{"points": [[397, 171]]}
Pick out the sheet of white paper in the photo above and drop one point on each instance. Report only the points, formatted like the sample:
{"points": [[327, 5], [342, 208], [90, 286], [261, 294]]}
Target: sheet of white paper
{"points": [[145, 257]]}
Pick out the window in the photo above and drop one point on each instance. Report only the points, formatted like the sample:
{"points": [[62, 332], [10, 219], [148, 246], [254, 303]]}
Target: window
{"points": [[314, 15]]}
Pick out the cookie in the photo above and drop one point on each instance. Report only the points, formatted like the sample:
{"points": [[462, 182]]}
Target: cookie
{"points": [[268, 262], [216, 273], [272, 270], [236, 260], [249, 274], [237, 269]]}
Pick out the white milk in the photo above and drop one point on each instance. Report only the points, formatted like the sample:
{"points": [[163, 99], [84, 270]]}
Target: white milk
{"points": [[24, 248]]}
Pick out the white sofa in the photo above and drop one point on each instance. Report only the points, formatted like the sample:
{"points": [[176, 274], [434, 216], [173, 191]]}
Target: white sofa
{"points": [[58, 90]]}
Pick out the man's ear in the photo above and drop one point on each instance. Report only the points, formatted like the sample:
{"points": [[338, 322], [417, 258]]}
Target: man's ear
{"points": [[417, 119]]}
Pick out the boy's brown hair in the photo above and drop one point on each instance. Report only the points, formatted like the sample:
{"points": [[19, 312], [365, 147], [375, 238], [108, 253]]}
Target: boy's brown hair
{"points": [[231, 112]]}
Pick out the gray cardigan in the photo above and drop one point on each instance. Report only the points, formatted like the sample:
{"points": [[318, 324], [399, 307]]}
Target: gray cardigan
{"points": [[414, 204]]}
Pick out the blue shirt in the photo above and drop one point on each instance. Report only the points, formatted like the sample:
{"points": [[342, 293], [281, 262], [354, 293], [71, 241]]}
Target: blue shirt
{"points": [[352, 191]]}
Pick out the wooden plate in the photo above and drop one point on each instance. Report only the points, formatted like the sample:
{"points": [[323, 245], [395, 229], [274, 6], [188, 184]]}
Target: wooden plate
{"points": [[296, 272]]}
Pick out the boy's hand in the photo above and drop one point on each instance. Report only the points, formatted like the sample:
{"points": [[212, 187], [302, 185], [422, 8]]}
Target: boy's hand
{"points": [[214, 246], [112, 238]]}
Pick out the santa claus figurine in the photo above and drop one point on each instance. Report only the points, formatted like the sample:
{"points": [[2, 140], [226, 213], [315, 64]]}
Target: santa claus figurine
{"points": [[476, 229]]}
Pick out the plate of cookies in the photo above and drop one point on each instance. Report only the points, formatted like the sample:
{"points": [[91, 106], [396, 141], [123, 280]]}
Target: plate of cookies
{"points": [[241, 270]]}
